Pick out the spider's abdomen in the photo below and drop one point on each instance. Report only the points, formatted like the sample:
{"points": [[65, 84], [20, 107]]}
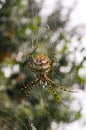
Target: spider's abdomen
{"points": [[42, 63]]}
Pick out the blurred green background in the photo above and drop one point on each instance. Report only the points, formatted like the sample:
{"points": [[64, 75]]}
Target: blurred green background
{"points": [[21, 29]]}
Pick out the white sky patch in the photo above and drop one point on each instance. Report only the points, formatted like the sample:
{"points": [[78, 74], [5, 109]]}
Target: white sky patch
{"points": [[75, 126], [84, 64], [74, 44], [78, 16], [0, 6], [80, 98], [24, 2], [3, 1], [66, 69], [16, 68], [38, 1], [82, 72], [67, 3], [7, 71], [48, 7], [78, 57]]}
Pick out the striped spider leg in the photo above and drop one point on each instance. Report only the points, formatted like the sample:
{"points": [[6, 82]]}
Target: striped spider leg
{"points": [[41, 66], [51, 84], [30, 86]]}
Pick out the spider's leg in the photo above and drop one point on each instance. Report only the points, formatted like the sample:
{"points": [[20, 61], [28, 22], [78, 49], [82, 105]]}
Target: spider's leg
{"points": [[30, 59], [33, 50], [30, 86], [53, 58], [57, 86], [30, 89], [57, 97], [54, 93]]}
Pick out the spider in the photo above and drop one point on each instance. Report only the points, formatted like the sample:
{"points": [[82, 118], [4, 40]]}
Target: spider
{"points": [[41, 66]]}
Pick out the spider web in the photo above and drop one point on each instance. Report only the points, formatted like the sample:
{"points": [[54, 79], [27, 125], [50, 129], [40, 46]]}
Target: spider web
{"points": [[40, 109]]}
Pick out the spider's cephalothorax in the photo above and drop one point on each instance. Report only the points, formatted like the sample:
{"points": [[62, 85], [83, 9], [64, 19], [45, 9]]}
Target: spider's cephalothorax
{"points": [[41, 66]]}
